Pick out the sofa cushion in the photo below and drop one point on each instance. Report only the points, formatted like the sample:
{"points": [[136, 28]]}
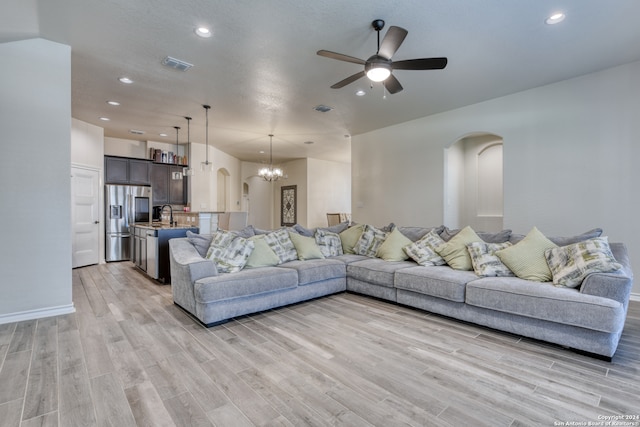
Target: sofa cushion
{"points": [[424, 252], [547, 302], [563, 241], [350, 237], [200, 241], [442, 282], [229, 251], [484, 260], [570, 264], [247, 282], [499, 237], [262, 255], [455, 251], [391, 248], [317, 270], [376, 271], [416, 233], [280, 242], [526, 258], [349, 258], [306, 247], [329, 243], [369, 241]]}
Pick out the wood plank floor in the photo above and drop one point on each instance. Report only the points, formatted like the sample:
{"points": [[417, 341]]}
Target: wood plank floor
{"points": [[129, 357]]}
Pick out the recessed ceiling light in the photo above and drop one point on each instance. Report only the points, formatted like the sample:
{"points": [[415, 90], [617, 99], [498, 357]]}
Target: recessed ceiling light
{"points": [[261, 151], [555, 18], [361, 92], [113, 103], [163, 134], [105, 119], [203, 32], [125, 80]]}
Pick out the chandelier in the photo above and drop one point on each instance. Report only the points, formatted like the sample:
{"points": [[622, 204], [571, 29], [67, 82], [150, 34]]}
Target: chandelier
{"points": [[270, 174]]}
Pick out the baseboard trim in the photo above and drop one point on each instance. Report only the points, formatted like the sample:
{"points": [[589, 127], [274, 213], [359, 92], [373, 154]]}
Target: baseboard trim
{"points": [[37, 314], [634, 297]]}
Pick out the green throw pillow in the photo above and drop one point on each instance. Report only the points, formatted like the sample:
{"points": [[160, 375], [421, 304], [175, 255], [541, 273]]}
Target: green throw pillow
{"points": [[455, 251], [391, 248], [262, 255], [306, 247], [350, 237], [526, 258]]}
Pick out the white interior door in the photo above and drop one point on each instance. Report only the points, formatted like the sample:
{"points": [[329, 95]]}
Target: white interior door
{"points": [[85, 216]]}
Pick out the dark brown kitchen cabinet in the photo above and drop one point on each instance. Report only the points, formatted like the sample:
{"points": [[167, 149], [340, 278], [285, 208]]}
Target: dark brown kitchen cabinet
{"points": [[168, 184], [123, 170]]}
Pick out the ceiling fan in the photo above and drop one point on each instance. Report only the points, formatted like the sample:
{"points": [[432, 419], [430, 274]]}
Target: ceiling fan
{"points": [[379, 67]]}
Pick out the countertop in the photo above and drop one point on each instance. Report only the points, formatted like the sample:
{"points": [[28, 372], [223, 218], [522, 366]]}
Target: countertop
{"points": [[161, 226]]}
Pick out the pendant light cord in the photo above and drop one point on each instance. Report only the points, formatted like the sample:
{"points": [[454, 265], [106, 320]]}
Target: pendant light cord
{"points": [[206, 108]]}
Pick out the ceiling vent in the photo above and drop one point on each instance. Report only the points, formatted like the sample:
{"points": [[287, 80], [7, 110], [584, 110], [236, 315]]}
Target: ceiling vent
{"points": [[136, 132], [176, 64], [322, 108]]}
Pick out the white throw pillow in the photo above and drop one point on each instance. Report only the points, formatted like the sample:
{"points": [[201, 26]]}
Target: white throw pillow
{"points": [[485, 262], [424, 250]]}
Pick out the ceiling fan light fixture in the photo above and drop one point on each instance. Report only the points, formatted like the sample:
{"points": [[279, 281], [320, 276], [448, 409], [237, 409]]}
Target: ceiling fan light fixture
{"points": [[377, 68]]}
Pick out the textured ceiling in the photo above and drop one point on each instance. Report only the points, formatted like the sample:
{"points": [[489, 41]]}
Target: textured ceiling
{"points": [[260, 72]]}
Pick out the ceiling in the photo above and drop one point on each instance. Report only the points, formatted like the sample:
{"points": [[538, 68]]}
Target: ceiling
{"points": [[260, 73]]}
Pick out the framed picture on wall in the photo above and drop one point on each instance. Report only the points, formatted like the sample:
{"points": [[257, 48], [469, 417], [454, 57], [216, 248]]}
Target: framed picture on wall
{"points": [[288, 200]]}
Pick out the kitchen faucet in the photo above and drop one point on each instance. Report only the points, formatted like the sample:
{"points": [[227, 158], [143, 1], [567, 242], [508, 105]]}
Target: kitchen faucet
{"points": [[170, 214]]}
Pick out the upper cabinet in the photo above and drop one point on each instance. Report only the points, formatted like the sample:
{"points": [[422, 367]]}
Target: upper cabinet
{"points": [[168, 183], [122, 170]]}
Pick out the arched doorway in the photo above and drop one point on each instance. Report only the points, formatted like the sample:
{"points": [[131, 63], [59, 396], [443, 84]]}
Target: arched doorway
{"points": [[224, 187], [474, 182]]}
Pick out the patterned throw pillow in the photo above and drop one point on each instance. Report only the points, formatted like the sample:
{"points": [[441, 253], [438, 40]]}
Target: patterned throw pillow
{"points": [[485, 262], [526, 258], [424, 250], [329, 243], [282, 245], [229, 251], [570, 264], [369, 241]]}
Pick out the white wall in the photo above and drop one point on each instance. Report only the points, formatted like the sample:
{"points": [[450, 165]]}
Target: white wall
{"points": [[35, 183], [204, 185], [125, 148], [570, 159], [329, 190]]}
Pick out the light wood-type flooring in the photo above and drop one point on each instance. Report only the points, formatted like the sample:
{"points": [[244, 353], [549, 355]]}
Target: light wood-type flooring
{"points": [[129, 357]]}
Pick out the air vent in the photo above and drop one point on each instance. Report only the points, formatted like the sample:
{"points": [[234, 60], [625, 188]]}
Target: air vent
{"points": [[176, 64], [136, 132], [322, 108]]}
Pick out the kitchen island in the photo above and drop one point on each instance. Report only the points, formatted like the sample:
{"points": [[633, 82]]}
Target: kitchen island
{"points": [[150, 247]]}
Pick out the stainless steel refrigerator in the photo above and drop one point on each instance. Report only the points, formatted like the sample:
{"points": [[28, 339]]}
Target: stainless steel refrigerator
{"points": [[125, 205]]}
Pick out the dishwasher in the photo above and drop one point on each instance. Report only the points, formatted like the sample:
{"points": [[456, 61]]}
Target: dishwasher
{"points": [[152, 253]]}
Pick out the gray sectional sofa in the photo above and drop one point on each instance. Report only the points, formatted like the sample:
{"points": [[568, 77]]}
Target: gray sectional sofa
{"points": [[589, 318]]}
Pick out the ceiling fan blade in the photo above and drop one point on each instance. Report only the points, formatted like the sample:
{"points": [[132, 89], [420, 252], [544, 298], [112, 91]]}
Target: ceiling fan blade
{"points": [[392, 84], [392, 41], [340, 57], [350, 79], [420, 64]]}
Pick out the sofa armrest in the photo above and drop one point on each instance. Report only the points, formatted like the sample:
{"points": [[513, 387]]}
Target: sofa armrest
{"points": [[187, 266], [616, 285], [188, 262]]}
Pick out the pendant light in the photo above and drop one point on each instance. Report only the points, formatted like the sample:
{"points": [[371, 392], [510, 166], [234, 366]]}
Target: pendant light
{"points": [[175, 155], [207, 166], [188, 171], [270, 174]]}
